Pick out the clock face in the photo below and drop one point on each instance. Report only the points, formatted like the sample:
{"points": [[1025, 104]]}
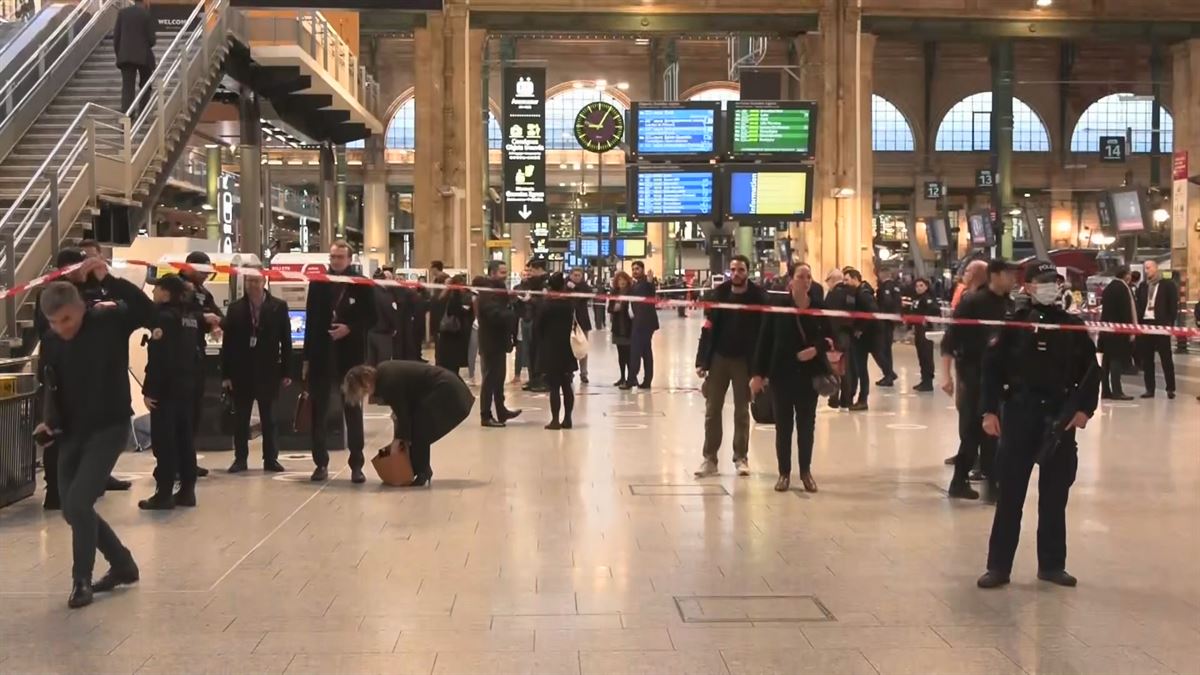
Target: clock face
{"points": [[599, 127]]}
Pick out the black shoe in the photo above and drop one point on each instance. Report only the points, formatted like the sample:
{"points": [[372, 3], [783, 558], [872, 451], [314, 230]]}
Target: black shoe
{"points": [[625, 386], [991, 579], [81, 594], [1171, 395], [238, 466], [1148, 394], [1121, 397], [619, 383], [583, 379], [1106, 396], [319, 474], [644, 385], [859, 406], [493, 424], [117, 576], [273, 466], [924, 387], [553, 426], [506, 415], [159, 501], [186, 496], [835, 403], [422, 479], [357, 476], [990, 493], [567, 424], [949, 461], [1060, 578], [885, 382], [51, 503], [962, 491], [975, 476], [201, 472], [115, 484]]}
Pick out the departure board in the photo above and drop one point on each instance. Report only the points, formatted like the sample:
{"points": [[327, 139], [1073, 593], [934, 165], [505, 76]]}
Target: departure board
{"points": [[777, 193], [679, 192], [772, 129], [631, 248], [630, 228], [682, 131], [595, 224]]}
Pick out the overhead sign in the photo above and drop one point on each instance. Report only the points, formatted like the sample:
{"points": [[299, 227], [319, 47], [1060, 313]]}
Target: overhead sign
{"points": [[226, 187], [539, 240], [984, 178], [1112, 148], [1179, 165], [935, 190], [524, 145], [1180, 189]]}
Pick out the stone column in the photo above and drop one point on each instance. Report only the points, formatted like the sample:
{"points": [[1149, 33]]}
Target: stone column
{"points": [[328, 197], [1185, 197], [376, 243], [251, 227], [836, 72]]}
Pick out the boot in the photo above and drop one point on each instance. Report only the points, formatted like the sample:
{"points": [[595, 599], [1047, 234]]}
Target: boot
{"points": [[159, 501], [81, 594], [117, 576], [186, 496]]}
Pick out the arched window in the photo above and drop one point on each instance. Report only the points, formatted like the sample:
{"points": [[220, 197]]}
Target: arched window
{"points": [[967, 127], [722, 92], [495, 136], [401, 131], [1113, 115], [890, 130], [562, 107]]}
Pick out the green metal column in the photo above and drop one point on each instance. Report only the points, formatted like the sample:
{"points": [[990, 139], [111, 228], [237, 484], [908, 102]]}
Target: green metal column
{"points": [[1002, 139], [744, 242], [1156, 78], [670, 248], [212, 180], [340, 215]]}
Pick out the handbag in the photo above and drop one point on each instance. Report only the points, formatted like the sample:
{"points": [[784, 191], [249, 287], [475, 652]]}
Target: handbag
{"points": [[449, 324], [762, 407], [827, 383], [579, 341], [393, 468], [302, 415]]}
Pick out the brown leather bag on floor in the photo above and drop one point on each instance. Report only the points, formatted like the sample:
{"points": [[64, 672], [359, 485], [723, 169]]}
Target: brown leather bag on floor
{"points": [[394, 468]]}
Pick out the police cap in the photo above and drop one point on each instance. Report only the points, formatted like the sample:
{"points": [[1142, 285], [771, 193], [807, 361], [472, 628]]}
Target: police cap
{"points": [[171, 283], [1041, 270]]}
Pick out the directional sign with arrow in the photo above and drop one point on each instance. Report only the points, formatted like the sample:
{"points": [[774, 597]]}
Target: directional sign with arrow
{"points": [[524, 145]]}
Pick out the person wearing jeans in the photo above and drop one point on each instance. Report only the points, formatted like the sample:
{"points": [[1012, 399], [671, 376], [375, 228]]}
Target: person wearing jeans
{"points": [[790, 353], [727, 344]]}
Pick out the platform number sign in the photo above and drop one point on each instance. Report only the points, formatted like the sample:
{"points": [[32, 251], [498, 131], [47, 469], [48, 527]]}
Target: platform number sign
{"points": [[984, 178], [1112, 148], [935, 190]]}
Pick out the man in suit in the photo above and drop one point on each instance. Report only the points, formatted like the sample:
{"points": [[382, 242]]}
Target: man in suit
{"points": [[1157, 305], [645, 323], [1117, 305], [339, 316], [256, 347], [388, 323], [497, 323], [133, 42]]}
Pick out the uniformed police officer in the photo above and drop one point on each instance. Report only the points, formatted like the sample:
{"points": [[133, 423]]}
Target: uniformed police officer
{"points": [[172, 368], [1048, 381]]}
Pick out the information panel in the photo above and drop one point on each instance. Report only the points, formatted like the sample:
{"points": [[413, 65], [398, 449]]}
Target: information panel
{"points": [[772, 129], [630, 228], [1128, 211], [668, 193], [595, 224], [631, 248], [674, 130], [769, 193], [524, 149], [595, 248]]}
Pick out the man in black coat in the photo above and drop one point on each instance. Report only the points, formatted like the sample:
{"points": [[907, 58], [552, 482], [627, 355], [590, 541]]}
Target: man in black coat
{"points": [[256, 348], [857, 383], [337, 321], [205, 305], [497, 323], [645, 324], [888, 297], [1157, 305], [1117, 305], [133, 42], [577, 284]]}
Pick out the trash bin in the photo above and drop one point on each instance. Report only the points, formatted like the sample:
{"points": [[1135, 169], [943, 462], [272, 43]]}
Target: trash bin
{"points": [[18, 452]]}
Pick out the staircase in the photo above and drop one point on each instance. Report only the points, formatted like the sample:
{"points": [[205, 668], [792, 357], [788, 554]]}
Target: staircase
{"points": [[81, 149]]}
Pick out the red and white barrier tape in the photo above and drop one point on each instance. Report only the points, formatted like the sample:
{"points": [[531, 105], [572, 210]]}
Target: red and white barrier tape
{"points": [[913, 319]]}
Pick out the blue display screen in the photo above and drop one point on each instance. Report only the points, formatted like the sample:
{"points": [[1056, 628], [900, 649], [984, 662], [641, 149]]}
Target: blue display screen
{"points": [[676, 131], [675, 193], [769, 193], [631, 248], [589, 248], [298, 318], [594, 224]]}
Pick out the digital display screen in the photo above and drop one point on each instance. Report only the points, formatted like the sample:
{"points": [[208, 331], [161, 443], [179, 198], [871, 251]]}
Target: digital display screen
{"points": [[589, 248], [1127, 211], [595, 225], [773, 128], [669, 193], [675, 130], [573, 260], [630, 228], [298, 318], [980, 224], [937, 233], [775, 193], [631, 248]]}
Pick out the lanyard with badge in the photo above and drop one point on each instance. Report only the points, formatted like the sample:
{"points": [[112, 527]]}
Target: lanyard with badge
{"points": [[254, 319]]}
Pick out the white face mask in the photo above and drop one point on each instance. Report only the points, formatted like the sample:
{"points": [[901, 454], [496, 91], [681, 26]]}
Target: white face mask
{"points": [[1045, 294]]}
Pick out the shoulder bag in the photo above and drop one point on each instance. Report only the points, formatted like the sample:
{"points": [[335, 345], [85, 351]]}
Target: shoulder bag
{"points": [[579, 340], [827, 383]]}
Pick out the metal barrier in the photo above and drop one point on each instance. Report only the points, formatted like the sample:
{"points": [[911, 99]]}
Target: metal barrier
{"points": [[18, 453]]}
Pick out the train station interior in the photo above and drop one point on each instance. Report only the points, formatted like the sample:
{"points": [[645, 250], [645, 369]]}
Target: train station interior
{"points": [[901, 138]]}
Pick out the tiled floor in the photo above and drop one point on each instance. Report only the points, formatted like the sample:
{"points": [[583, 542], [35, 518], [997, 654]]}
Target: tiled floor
{"points": [[532, 554]]}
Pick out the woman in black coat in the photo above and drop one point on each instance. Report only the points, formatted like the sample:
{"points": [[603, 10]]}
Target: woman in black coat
{"points": [[552, 330], [622, 325], [450, 350], [790, 353]]}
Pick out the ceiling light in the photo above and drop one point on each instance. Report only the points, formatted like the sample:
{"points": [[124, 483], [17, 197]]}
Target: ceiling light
{"points": [[642, 41], [1014, 211], [577, 85], [279, 217], [1044, 3], [623, 86], [600, 84], [562, 166], [1161, 215], [1027, 195]]}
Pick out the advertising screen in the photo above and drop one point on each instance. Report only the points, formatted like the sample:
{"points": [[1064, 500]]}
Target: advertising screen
{"points": [[769, 193], [1128, 212], [980, 224], [595, 224], [674, 130], [771, 129], [631, 248], [630, 228], [670, 193], [298, 318], [937, 232]]}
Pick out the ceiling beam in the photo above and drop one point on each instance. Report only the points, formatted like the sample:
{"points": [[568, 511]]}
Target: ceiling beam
{"points": [[969, 30], [615, 23]]}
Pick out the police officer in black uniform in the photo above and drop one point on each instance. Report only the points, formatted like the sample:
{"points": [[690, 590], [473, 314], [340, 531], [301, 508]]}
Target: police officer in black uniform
{"points": [[206, 306], [172, 368], [1048, 385]]}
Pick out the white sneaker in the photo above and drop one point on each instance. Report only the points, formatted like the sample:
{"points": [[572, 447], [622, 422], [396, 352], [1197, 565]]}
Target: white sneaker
{"points": [[742, 466], [707, 469]]}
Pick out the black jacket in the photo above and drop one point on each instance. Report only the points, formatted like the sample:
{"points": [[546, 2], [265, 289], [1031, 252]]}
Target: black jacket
{"points": [[967, 343], [1117, 305], [204, 303], [781, 338], [134, 36], [622, 322], [388, 320], [92, 369], [552, 330], [172, 362], [450, 350], [924, 305], [497, 321], [427, 402], [266, 364], [645, 314], [720, 320], [582, 314], [354, 306], [888, 296], [1166, 303]]}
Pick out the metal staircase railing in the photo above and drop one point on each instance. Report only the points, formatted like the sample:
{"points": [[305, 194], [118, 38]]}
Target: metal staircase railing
{"points": [[107, 152]]}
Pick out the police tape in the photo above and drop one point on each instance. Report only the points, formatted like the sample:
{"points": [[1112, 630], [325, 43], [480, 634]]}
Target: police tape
{"points": [[658, 302]]}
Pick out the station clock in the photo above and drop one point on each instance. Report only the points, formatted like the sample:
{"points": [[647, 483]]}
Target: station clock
{"points": [[599, 127]]}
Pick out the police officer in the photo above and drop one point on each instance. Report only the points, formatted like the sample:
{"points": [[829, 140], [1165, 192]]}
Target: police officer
{"points": [[1048, 382], [172, 368], [206, 305]]}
